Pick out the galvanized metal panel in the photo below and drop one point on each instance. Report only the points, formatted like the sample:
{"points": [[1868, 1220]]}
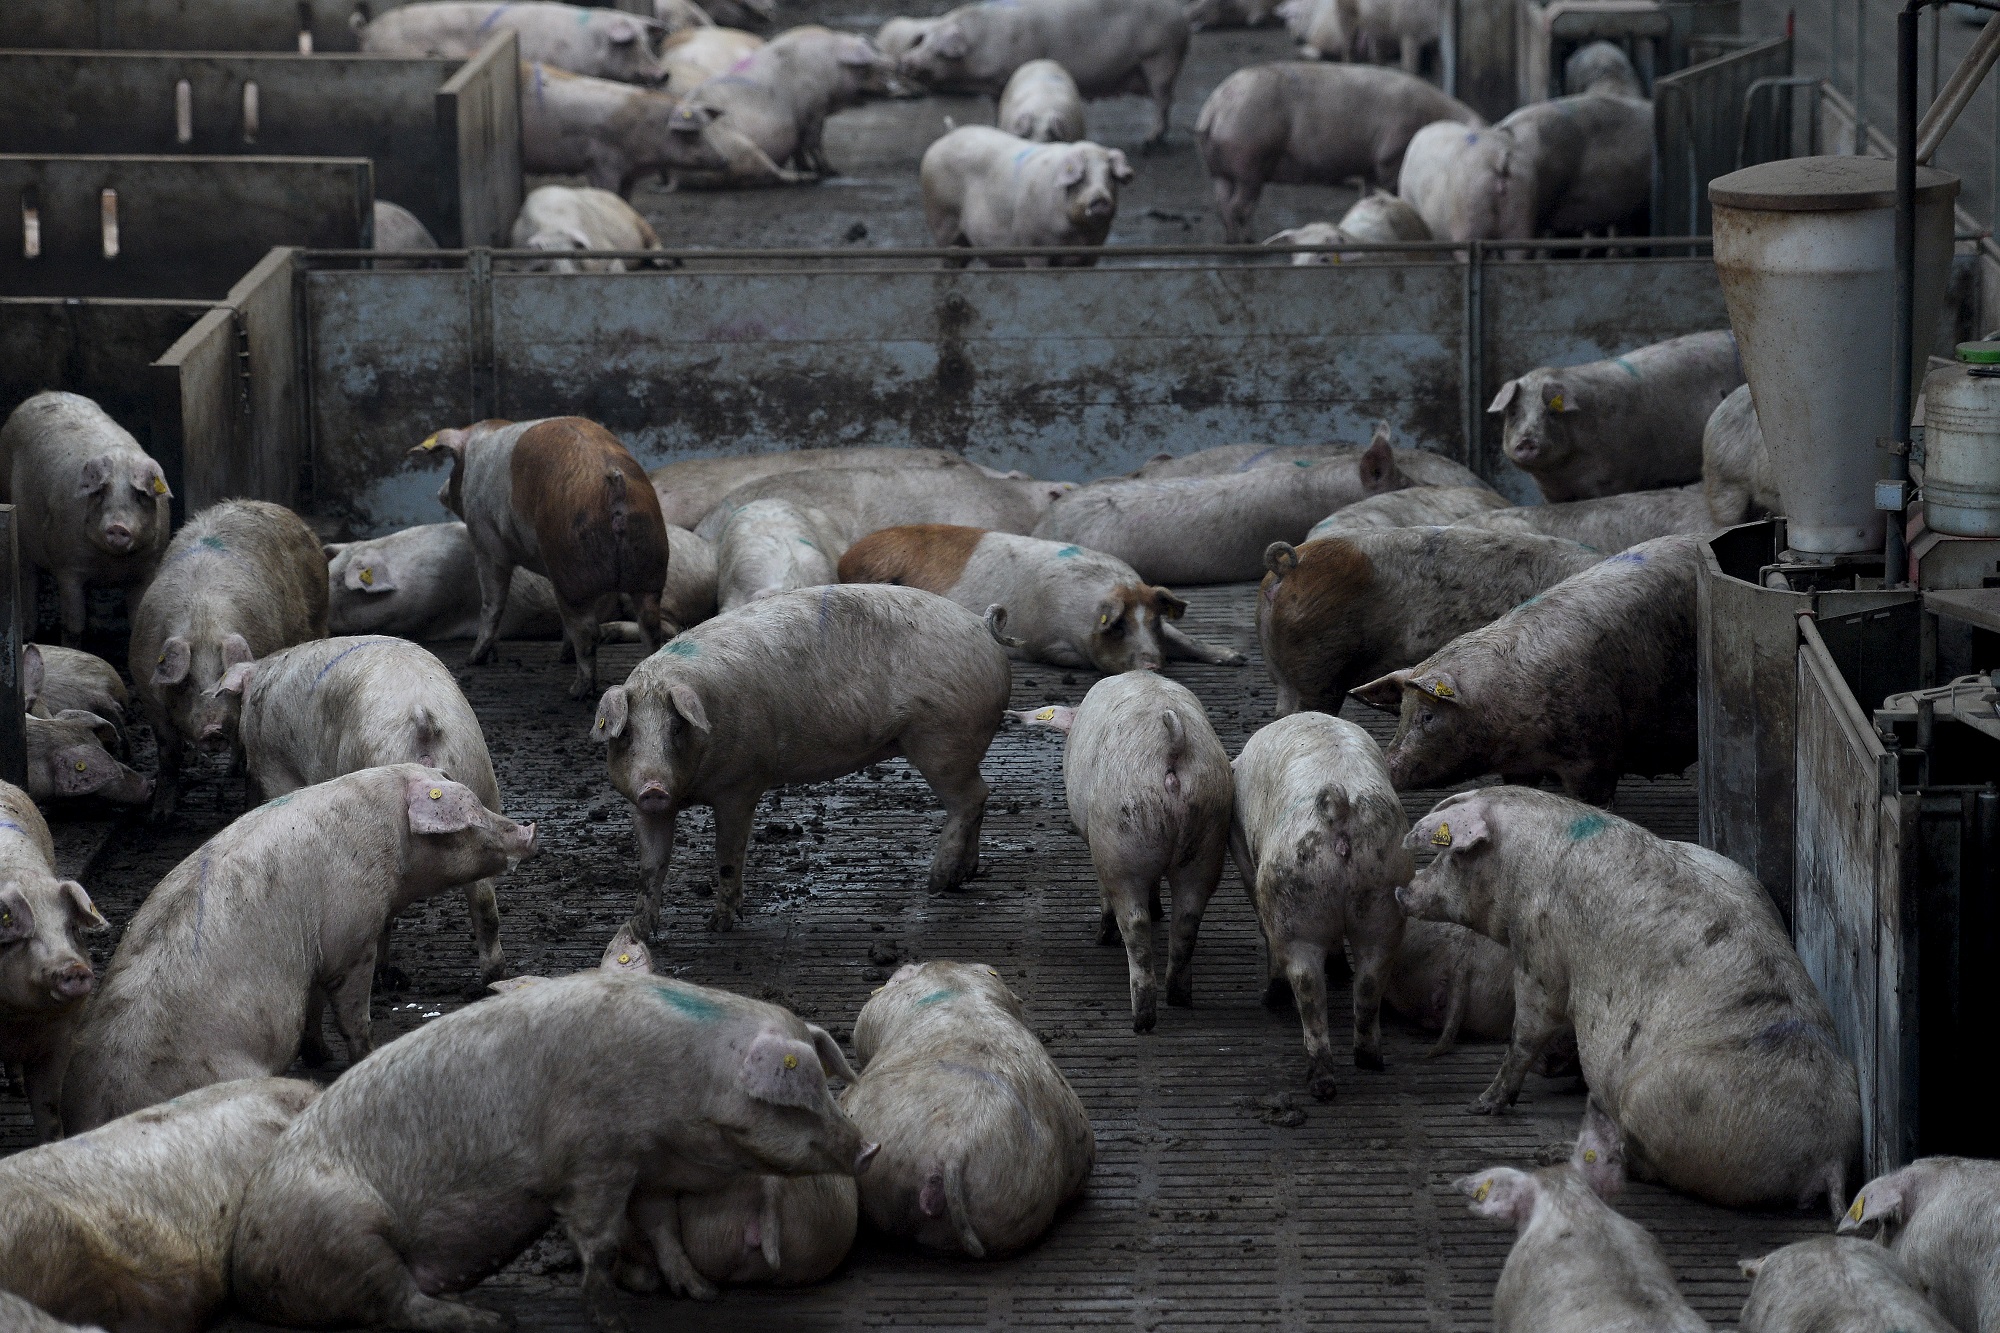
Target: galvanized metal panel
{"points": [[271, 447], [198, 382], [1701, 130], [99, 348], [479, 118]]}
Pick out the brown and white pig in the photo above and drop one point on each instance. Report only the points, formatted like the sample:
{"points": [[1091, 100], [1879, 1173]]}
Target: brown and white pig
{"points": [[128, 1226], [610, 133], [1298, 121], [594, 1099], [773, 546], [861, 500], [1415, 507], [693, 57], [54, 680], [1609, 523], [1941, 1219], [1150, 790], [1590, 680], [1578, 1265], [1063, 604], [69, 755], [314, 712], [986, 188], [803, 686], [1736, 471], [91, 506], [234, 952], [692, 487], [601, 42], [983, 1139], [562, 498], [1318, 839], [45, 972], [1628, 423], [567, 222], [1343, 610], [1383, 467], [241, 579], [1041, 104], [1697, 1029], [1835, 1284]]}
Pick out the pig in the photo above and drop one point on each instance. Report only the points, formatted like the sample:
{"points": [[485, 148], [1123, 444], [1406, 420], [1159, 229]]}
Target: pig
{"points": [[69, 755], [1939, 1218], [243, 578], [983, 1139], [1697, 1029], [1630, 423], [1204, 15], [1108, 47], [1590, 680], [774, 546], [1342, 29], [1317, 836], [18, 1316], [692, 487], [562, 220], [128, 1226], [91, 505], [861, 500], [1064, 605], [45, 972], [1383, 467], [1447, 979], [1412, 507], [1297, 122], [681, 16], [223, 972], [420, 583], [691, 592], [986, 188], [1337, 612], [1736, 473], [898, 36], [562, 498], [600, 42], [803, 686], [1041, 103], [1835, 1284], [54, 679], [1378, 217], [1150, 790], [1577, 1266], [397, 228], [1608, 523], [612, 134], [693, 57], [607, 1094], [1601, 67], [314, 712]]}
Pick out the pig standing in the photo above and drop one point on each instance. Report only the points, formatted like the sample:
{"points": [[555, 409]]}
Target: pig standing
{"points": [[1610, 523], [1414, 507], [861, 500], [1377, 217], [1318, 839], [1835, 1284], [1041, 104], [1736, 471], [128, 1226], [242, 579], [562, 220], [335, 706], [982, 1136], [1630, 423], [1297, 122], [421, 1170], [692, 487], [1590, 680], [231, 956], [55, 679], [773, 546], [610, 133], [1697, 1028], [600, 42], [1064, 605], [44, 970], [694, 57], [562, 498], [91, 505], [1941, 1219], [1149, 788], [802, 687], [69, 755], [1343, 610], [776, 101], [986, 188]]}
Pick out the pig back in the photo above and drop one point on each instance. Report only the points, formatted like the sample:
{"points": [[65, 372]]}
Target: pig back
{"points": [[864, 500], [1121, 751], [244, 566], [690, 488], [1609, 523], [24, 835], [595, 517]]}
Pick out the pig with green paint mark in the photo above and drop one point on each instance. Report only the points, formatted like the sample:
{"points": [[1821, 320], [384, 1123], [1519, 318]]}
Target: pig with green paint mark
{"points": [[595, 1099], [772, 546], [1697, 1028]]}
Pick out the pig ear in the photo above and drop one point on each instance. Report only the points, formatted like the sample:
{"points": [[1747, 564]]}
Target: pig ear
{"points": [[33, 673], [1458, 829], [1600, 1153], [439, 805], [106, 733], [1385, 692], [88, 918], [1557, 397], [1056, 717], [235, 680], [612, 712], [623, 32], [1072, 169], [172, 668], [94, 476], [1501, 1192], [368, 574], [17, 918], [1379, 472], [626, 954], [450, 441], [236, 650], [1168, 605], [949, 39], [783, 1071], [1879, 1201], [149, 480], [1121, 170], [1439, 685], [688, 704], [832, 1059], [1505, 396], [1750, 1268]]}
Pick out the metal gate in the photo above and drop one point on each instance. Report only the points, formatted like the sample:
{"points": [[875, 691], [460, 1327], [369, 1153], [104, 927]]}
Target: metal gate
{"points": [[1707, 123]]}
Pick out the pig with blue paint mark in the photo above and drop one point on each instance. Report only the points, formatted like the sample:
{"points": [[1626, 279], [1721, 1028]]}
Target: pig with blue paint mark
{"points": [[593, 1099], [983, 1139], [774, 545], [985, 187], [1697, 1028], [223, 967]]}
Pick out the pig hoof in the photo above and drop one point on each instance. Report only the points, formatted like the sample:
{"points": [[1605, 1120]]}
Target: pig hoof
{"points": [[1233, 658], [1144, 1016], [1485, 1107], [1322, 1087], [721, 919], [1368, 1060]]}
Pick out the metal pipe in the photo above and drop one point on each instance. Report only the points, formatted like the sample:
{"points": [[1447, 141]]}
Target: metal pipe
{"points": [[1958, 91], [1860, 78], [1903, 338], [1937, 21]]}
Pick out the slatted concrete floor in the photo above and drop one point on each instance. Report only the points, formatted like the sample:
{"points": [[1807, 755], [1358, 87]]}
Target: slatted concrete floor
{"points": [[1207, 1210]]}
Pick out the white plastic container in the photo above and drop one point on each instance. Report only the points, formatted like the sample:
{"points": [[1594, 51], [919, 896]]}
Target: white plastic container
{"points": [[1806, 251], [1962, 444]]}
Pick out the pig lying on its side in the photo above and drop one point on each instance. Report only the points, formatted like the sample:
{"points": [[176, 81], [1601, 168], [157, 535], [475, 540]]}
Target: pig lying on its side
{"points": [[1697, 1028], [563, 220], [69, 755], [982, 1136], [1941, 1218], [772, 107], [1041, 104], [691, 488], [1610, 523], [610, 133], [57, 679], [693, 57], [986, 188], [128, 1226], [1378, 217], [1063, 604], [861, 500], [1416, 507], [774, 546], [1835, 1284], [1384, 468], [601, 42], [1736, 471]]}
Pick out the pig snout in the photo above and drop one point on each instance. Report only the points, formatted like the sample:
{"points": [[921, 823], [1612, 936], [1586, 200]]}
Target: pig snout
{"points": [[864, 1158], [1526, 449], [213, 737], [73, 981], [522, 841], [1098, 204], [118, 536], [653, 799]]}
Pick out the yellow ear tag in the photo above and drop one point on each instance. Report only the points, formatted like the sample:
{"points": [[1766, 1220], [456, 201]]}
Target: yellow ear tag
{"points": [[1485, 1188], [1442, 838], [1590, 1155], [1045, 715], [437, 793], [624, 957], [878, 990], [162, 661], [430, 441], [159, 485], [1860, 1203], [1104, 620], [791, 1062], [1441, 690], [991, 973], [81, 765], [1556, 403], [367, 575]]}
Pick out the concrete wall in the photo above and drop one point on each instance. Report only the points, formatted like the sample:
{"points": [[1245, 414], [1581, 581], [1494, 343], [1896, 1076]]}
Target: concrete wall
{"points": [[98, 348]]}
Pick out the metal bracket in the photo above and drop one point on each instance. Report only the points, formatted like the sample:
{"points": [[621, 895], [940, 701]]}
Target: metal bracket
{"points": [[479, 297]]}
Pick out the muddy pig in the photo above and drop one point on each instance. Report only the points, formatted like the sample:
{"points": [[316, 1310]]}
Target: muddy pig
{"points": [[803, 686], [69, 755], [1941, 1219], [861, 500], [984, 187], [1318, 839], [691, 488], [1063, 604], [602, 42], [1149, 788], [320, 710], [45, 972], [223, 972], [54, 679], [982, 1136], [1736, 471], [562, 498], [1835, 1284], [773, 546], [1609, 523], [128, 1226], [1041, 104], [567, 221], [1418, 506], [1697, 1028], [243, 578], [1343, 610], [91, 505], [1592, 679], [421, 1170]]}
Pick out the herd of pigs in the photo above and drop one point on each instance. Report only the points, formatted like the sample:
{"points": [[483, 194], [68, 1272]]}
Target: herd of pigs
{"points": [[615, 97]]}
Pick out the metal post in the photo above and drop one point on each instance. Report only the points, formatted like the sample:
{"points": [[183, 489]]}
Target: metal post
{"points": [[1936, 17], [1903, 337], [13, 734], [1861, 78]]}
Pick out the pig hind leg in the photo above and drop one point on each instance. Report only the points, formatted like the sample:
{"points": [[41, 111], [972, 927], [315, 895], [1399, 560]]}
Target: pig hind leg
{"points": [[350, 993], [579, 624], [1537, 1021], [494, 581], [1159, 71], [951, 767], [734, 816], [1236, 200], [1304, 963], [484, 909], [1374, 939], [593, 1212], [1192, 883], [1124, 890]]}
